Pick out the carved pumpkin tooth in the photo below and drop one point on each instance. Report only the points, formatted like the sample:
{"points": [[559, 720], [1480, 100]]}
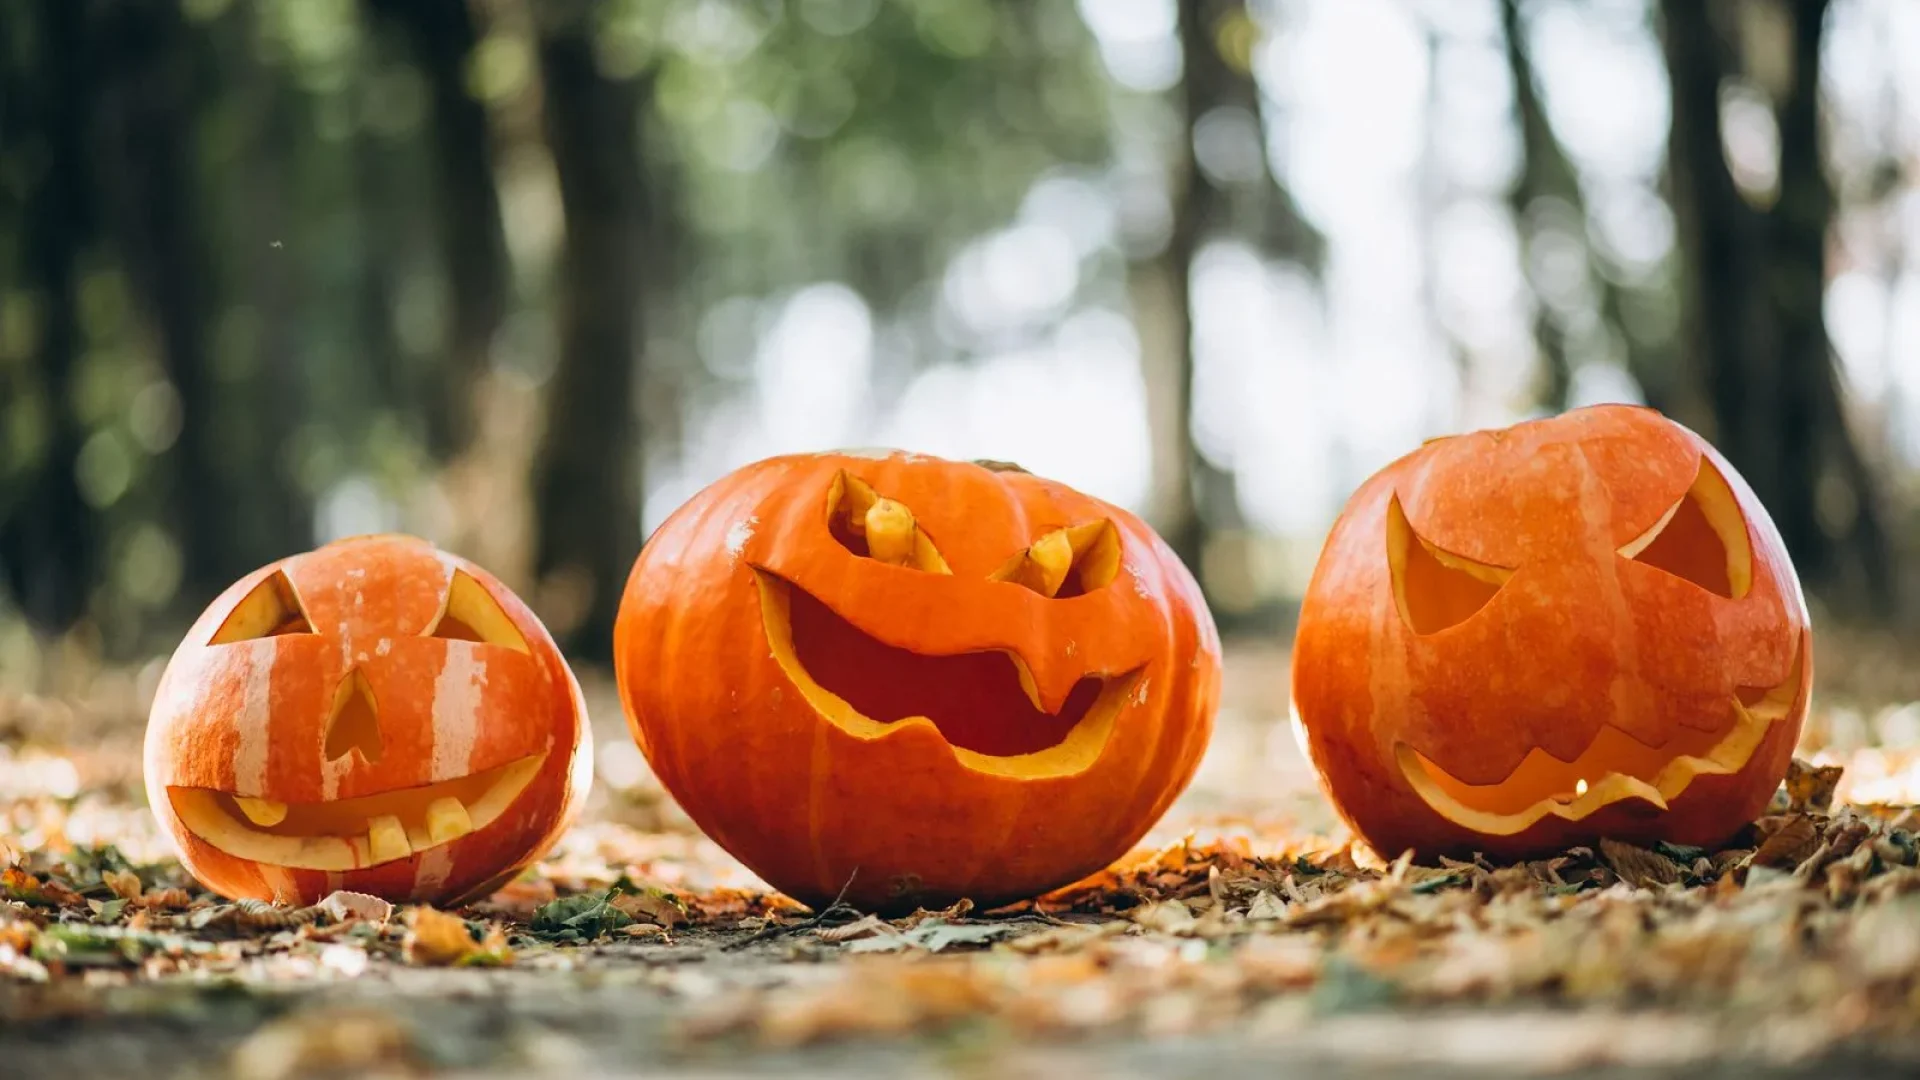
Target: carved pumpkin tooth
{"points": [[263, 812], [387, 839], [447, 819], [890, 532]]}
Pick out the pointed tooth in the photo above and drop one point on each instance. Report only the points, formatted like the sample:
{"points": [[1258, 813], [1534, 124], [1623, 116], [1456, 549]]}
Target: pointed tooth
{"points": [[263, 812], [447, 819], [387, 839]]}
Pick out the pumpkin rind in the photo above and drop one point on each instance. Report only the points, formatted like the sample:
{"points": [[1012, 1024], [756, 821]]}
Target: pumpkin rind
{"points": [[894, 815], [250, 718], [1581, 638]]}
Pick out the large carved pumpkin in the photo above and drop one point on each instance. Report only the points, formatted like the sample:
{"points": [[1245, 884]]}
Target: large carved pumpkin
{"points": [[912, 679], [1575, 628], [376, 715]]}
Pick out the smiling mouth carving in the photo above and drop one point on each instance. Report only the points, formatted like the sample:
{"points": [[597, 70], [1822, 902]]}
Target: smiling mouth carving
{"points": [[1543, 785], [353, 834], [985, 705]]}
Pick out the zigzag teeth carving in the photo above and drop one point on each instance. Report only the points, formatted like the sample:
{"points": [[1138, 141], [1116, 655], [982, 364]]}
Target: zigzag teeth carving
{"points": [[1724, 758]]}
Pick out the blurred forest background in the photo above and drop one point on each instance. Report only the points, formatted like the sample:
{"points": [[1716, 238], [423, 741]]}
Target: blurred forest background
{"points": [[521, 275]]}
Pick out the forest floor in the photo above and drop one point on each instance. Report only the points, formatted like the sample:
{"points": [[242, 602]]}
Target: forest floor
{"points": [[1248, 932]]}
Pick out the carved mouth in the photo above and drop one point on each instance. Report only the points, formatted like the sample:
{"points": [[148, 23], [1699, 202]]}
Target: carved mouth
{"points": [[353, 834], [1543, 785], [985, 705]]}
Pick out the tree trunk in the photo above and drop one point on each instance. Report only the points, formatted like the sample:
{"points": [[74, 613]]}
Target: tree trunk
{"points": [[49, 535], [1193, 494], [1548, 175], [1755, 283], [227, 476], [441, 36], [587, 472]]}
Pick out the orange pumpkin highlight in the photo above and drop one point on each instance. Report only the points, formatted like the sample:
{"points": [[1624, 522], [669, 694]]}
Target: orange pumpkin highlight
{"points": [[913, 679], [376, 715], [1574, 628]]}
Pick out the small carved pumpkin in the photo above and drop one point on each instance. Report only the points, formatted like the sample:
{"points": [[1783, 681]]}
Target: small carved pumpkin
{"points": [[914, 680], [1574, 628], [376, 715]]}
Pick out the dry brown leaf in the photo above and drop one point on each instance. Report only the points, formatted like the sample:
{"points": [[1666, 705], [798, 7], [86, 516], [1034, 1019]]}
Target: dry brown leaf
{"points": [[1266, 906], [652, 906], [870, 926], [1810, 788], [436, 939], [344, 906], [166, 899], [124, 883], [1637, 866], [1166, 917], [1795, 839]]}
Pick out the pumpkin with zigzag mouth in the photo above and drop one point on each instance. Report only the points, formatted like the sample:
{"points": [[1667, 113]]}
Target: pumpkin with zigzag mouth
{"points": [[1574, 628], [904, 680]]}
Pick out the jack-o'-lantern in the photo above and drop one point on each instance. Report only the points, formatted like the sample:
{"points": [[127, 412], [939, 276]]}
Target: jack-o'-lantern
{"points": [[1575, 628], [907, 680], [376, 715]]}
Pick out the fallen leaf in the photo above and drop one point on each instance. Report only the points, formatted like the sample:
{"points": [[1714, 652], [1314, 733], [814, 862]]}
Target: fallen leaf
{"points": [[434, 938], [871, 926], [1166, 917], [124, 883], [1810, 788], [1795, 839], [580, 918], [934, 935], [1266, 906], [343, 906], [1637, 866], [656, 906]]}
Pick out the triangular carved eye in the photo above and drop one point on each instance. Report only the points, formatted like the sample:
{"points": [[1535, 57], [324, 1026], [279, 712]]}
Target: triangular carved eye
{"points": [[870, 524], [270, 610], [1435, 589], [472, 614], [1701, 539], [1067, 562]]}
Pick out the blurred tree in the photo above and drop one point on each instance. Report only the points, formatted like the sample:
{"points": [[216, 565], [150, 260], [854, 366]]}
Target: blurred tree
{"points": [[1221, 108], [440, 37], [586, 474], [49, 537], [1755, 285], [1549, 206]]}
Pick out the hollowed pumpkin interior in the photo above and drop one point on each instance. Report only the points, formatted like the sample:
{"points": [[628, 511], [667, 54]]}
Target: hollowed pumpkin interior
{"points": [[985, 705], [349, 834], [1701, 539], [1435, 589]]}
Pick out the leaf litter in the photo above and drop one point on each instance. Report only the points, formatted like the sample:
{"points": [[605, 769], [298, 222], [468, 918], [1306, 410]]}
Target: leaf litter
{"points": [[1805, 931]]}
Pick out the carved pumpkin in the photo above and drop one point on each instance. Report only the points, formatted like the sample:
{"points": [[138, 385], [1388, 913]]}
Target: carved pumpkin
{"points": [[1574, 628], [376, 715], [913, 679]]}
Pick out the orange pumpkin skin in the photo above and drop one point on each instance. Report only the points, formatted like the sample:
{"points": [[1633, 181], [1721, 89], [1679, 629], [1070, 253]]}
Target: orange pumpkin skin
{"points": [[255, 716], [889, 810], [1616, 667]]}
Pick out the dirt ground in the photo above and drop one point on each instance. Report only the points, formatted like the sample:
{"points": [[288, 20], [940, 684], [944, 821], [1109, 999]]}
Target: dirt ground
{"points": [[1247, 933]]}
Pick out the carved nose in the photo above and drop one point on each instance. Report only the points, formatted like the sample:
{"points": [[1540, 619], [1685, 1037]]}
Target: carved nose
{"points": [[356, 723]]}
